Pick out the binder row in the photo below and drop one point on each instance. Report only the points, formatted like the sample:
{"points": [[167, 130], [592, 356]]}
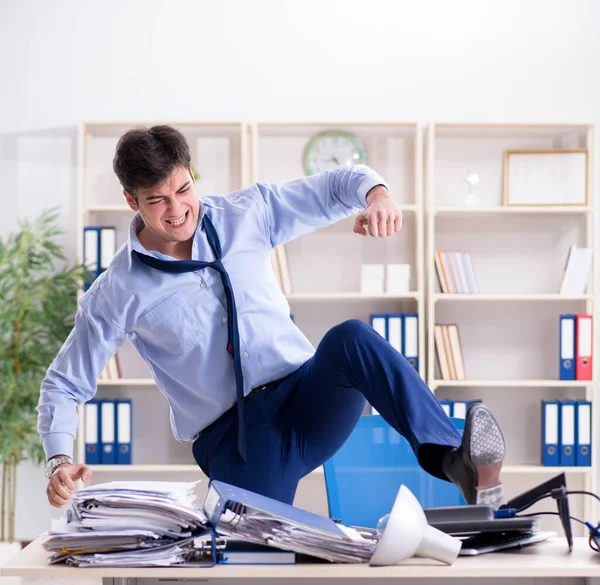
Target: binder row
{"points": [[576, 340], [99, 247], [456, 408], [108, 432], [401, 330], [567, 433]]}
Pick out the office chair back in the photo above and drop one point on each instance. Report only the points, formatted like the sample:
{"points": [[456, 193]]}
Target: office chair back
{"points": [[363, 477]]}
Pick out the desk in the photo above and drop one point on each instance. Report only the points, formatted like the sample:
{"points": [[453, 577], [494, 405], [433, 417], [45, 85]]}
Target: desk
{"points": [[550, 559]]}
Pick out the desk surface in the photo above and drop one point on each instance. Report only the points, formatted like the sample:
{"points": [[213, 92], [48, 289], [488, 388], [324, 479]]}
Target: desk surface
{"points": [[547, 559]]}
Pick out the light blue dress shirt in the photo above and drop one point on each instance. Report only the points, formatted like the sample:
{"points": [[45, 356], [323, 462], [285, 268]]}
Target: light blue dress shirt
{"points": [[178, 322]]}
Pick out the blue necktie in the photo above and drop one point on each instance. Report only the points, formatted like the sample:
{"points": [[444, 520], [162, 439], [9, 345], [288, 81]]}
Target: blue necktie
{"points": [[233, 334]]}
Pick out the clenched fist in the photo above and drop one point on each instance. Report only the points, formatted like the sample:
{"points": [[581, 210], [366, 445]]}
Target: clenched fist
{"points": [[62, 482], [381, 217]]}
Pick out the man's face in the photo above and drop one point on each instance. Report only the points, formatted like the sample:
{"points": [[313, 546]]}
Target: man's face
{"points": [[169, 210]]}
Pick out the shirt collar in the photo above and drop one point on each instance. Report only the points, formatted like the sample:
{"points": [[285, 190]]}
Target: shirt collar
{"points": [[137, 223]]}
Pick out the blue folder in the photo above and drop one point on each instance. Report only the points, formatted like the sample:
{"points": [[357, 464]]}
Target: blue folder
{"points": [[222, 496], [584, 424], [92, 432], [566, 347], [550, 433], [568, 433], [107, 429], [410, 349], [123, 431]]}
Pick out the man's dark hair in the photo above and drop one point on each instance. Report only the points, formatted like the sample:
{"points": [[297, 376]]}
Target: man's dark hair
{"points": [[145, 157]]}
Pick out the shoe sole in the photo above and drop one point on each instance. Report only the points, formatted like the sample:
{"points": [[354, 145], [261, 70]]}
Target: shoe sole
{"points": [[486, 455]]}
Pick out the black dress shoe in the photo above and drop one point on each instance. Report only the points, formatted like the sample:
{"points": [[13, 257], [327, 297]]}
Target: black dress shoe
{"points": [[475, 466]]}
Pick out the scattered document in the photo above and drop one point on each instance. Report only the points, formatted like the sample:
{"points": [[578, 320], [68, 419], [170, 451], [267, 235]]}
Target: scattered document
{"points": [[157, 524]]}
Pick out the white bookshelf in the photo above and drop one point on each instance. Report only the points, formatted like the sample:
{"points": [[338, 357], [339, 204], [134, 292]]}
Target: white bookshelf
{"points": [[326, 283], [509, 329], [518, 255], [220, 153], [510, 297], [508, 384]]}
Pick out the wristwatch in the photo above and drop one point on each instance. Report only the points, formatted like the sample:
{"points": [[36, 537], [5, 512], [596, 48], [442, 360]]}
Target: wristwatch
{"points": [[52, 464]]}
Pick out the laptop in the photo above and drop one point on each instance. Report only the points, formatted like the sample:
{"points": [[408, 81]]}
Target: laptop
{"points": [[492, 542]]}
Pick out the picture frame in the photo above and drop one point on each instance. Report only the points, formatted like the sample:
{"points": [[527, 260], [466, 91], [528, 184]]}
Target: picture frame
{"points": [[546, 177]]}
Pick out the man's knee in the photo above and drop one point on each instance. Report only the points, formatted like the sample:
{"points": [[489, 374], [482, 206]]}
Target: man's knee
{"points": [[346, 331]]}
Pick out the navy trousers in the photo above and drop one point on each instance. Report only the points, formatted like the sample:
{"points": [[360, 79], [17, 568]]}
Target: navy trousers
{"points": [[300, 421]]}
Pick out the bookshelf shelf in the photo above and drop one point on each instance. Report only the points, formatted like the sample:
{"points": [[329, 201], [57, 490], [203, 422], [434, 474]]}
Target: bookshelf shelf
{"points": [[510, 383], [161, 468], [350, 296], [526, 209], [192, 468], [544, 470], [127, 382], [105, 208], [148, 468], [509, 297]]}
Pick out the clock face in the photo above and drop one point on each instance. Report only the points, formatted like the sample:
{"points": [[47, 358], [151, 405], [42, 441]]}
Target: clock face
{"points": [[331, 149]]}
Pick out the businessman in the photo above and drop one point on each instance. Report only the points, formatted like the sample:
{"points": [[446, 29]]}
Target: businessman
{"points": [[194, 292]]}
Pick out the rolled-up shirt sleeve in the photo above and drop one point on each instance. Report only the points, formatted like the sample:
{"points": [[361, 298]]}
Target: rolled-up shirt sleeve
{"points": [[295, 208]]}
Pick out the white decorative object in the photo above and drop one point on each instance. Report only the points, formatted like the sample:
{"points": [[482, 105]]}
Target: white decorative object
{"points": [[397, 278], [471, 199], [546, 177], [371, 280]]}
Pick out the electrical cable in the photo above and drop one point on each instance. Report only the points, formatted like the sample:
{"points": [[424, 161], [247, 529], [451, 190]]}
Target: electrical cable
{"points": [[559, 492]]}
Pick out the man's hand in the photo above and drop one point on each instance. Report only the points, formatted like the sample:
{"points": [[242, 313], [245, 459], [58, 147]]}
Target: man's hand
{"points": [[62, 482], [381, 217]]}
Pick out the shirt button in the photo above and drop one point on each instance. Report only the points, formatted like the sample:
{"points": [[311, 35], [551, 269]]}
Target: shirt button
{"points": [[203, 285], [245, 354], [224, 319]]}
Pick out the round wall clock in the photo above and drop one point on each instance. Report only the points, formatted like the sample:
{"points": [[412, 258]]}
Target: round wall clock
{"points": [[332, 148]]}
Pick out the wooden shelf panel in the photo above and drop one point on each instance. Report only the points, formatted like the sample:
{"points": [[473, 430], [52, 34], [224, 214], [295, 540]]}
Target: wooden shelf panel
{"points": [[512, 383], [160, 468], [127, 382], [498, 209], [351, 296], [509, 297]]}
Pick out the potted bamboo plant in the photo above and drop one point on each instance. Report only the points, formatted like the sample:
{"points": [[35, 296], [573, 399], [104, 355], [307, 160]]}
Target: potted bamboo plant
{"points": [[38, 293]]}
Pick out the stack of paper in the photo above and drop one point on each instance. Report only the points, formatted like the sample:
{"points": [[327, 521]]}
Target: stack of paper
{"points": [[349, 546], [137, 523]]}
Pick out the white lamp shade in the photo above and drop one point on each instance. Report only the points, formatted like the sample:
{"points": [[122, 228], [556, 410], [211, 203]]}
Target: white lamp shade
{"points": [[407, 534]]}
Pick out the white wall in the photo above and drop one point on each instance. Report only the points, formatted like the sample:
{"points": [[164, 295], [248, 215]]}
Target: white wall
{"points": [[62, 62]]}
